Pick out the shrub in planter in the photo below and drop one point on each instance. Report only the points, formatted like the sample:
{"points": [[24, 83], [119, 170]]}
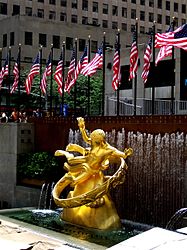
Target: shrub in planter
{"points": [[39, 165]]}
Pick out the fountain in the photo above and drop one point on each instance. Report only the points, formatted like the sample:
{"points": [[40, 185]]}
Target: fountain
{"points": [[155, 184]]}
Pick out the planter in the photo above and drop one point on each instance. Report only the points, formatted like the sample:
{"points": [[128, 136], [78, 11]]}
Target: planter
{"points": [[31, 182]]}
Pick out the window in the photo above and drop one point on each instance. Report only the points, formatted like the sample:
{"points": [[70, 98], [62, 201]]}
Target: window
{"points": [[93, 46], [124, 12], [95, 7], [142, 29], [150, 31], [151, 17], [74, 18], [3, 8], [52, 15], [133, 1], [74, 4], [95, 21], [133, 14], [151, 3], [142, 2], [28, 59], [114, 25], [105, 8], [183, 9], [63, 3], [28, 11], [167, 5], [167, 20], [159, 18], [69, 43], [183, 21], [105, 24], [52, 2], [28, 38], [4, 40], [176, 21], [41, 13], [56, 42], [16, 10], [82, 44], [41, 1], [84, 20], [159, 4], [11, 38], [133, 27], [85, 5], [114, 10], [124, 26], [142, 15], [43, 39], [176, 7], [63, 17]]}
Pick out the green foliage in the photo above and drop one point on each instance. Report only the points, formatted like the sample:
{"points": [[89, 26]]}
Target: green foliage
{"points": [[82, 91], [40, 165], [32, 101]]}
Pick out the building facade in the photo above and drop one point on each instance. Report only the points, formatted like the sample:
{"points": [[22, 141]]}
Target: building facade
{"points": [[32, 23]]}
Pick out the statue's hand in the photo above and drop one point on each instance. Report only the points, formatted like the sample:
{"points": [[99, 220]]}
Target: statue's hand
{"points": [[81, 122], [128, 151]]}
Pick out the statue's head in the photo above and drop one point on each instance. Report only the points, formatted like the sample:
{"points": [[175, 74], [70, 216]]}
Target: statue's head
{"points": [[97, 136]]}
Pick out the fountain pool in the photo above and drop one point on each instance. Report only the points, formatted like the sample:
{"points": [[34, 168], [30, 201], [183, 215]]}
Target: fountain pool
{"points": [[50, 219]]}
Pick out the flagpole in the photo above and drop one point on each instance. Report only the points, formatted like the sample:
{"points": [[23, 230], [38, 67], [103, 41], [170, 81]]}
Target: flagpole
{"points": [[75, 86], [173, 83], [19, 68], [135, 79], [118, 45], [40, 78], [1, 51], [103, 92], [153, 87], [8, 92], [88, 100], [63, 75], [51, 81]]}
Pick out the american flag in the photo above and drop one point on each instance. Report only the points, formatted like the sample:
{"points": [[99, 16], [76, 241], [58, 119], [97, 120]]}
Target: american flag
{"points": [[165, 51], [80, 66], [147, 60], [16, 74], [58, 76], [116, 67], [46, 73], [95, 64], [177, 38], [71, 71], [4, 71], [133, 57], [35, 70]]}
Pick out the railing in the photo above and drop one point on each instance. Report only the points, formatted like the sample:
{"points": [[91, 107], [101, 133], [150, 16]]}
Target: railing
{"points": [[144, 107]]}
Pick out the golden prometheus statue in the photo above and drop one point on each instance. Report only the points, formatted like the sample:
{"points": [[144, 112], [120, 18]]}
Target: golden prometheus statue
{"points": [[89, 203]]}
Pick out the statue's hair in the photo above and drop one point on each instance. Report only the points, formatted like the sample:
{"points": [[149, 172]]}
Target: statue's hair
{"points": [[98, 135]]}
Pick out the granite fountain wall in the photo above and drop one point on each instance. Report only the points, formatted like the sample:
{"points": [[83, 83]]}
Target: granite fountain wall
{"points": [[15, 138]]}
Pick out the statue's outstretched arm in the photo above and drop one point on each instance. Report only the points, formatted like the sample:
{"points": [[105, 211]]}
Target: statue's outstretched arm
{"points": [[125, 154], [76, 148], [81, 125]]}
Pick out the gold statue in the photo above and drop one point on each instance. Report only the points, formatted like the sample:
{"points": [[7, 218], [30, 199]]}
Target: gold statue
{"points": [[90, 204]]}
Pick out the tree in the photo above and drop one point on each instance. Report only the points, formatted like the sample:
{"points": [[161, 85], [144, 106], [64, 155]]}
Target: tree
{"points": [[32, 101], [82, 94]]}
